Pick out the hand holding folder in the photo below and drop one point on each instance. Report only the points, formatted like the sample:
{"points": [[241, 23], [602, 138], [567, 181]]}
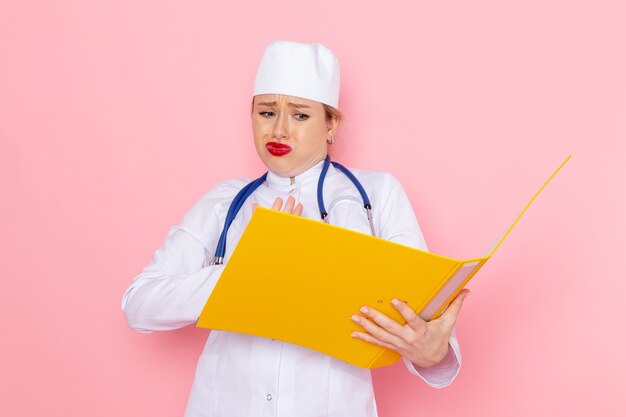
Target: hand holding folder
{"points": [[424, 343], [258, 296]]}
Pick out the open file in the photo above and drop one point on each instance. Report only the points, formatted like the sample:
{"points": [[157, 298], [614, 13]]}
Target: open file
{"points": [[308, 298]]}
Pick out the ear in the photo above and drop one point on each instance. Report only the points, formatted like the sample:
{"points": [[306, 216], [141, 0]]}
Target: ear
{"points": [[331, 126]]}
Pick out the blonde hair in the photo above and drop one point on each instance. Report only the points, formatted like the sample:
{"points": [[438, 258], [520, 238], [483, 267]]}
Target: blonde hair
{"points": [[332, 113]]}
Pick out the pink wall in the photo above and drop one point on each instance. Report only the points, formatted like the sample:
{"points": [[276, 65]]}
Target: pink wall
{"points": [[110, 116]]}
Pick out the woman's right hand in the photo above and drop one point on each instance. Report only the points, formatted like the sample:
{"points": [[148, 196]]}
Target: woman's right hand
{"points": [[288, 208]]}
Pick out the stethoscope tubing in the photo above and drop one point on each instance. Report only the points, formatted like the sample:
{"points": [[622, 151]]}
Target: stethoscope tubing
{"points": [[247, 191]]}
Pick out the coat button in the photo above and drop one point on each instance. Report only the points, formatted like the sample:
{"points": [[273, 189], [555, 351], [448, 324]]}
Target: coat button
{"points": [[269, 397]]}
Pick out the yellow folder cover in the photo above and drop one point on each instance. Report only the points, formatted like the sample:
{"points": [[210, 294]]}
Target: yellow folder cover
{"points": [[325, 275]]}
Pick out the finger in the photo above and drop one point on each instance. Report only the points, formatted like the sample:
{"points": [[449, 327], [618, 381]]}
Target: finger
{"points": [[451, 313], [298, 210], [414, 321], [371, 339], [278, 203], [377, 331], [291, 201], [383, 321], [387, 324]]}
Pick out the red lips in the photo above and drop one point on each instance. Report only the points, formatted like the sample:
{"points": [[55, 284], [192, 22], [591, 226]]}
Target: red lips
{"points": [[277, 149]]}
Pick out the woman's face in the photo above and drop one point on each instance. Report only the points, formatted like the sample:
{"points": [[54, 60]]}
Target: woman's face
{"points": [[290, 133]]}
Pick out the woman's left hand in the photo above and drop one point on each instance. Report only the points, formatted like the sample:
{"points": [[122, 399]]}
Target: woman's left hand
{"points": [[424, 343], [290, 206]]}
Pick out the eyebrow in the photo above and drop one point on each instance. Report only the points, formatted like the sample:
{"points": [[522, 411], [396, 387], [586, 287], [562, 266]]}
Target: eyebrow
{"points": [[273, 103]]}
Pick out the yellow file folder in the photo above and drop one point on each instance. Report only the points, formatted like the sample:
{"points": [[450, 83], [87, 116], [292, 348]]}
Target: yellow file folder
{"points": [[300, 280]]}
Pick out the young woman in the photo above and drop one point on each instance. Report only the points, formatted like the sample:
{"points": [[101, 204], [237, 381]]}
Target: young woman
{"points": [[294, 119]]}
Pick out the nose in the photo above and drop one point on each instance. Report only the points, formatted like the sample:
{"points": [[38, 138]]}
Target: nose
{"points": [[280, 130]]}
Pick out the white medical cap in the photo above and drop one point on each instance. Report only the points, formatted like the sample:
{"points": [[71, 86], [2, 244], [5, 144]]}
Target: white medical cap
{"points": [[304, 70]]}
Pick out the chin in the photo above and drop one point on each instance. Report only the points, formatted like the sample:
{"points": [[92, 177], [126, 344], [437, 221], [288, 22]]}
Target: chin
{"points": [[279, 166], [284, 172]]}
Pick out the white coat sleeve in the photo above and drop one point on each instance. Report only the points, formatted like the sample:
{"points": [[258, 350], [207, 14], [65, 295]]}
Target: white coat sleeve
{"points": [[172, 289], [399, 224]]}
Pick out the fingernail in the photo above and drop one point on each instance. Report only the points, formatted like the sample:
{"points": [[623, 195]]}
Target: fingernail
{"points": [[364, 310], [356, 318], [395, 302], [354, 335]]}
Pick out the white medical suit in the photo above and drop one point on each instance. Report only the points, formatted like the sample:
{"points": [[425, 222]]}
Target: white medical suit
{"points": [[241, 375]]}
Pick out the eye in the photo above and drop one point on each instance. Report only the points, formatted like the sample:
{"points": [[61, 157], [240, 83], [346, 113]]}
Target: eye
{"points": [[267, 113], [301, 116]]}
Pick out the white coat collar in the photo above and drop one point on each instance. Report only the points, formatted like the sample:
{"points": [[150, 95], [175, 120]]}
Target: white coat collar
{"points": [[312, 174]]}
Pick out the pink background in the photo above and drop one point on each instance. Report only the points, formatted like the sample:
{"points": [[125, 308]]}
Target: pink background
{"points": [[115, 116]]}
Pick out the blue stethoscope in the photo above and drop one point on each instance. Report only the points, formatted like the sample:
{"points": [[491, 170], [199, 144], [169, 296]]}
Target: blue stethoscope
{"points": [[246, 191]]}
